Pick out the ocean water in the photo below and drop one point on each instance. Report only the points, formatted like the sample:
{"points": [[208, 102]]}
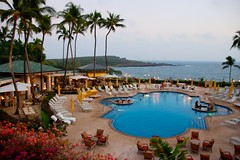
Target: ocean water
{"points": [[183, 70]]}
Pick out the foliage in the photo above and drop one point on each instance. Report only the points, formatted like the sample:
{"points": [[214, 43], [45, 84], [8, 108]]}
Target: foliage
{"points": [[229, 64], [166, 152], [19, 141], [236, 40]]}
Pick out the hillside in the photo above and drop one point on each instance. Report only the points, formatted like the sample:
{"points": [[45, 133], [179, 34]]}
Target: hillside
{"points": [[112, 61]]}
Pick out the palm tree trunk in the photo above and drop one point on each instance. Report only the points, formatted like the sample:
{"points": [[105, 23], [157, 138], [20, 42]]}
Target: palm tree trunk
{"points": [[11, 68], [28, 65], [106, 38], [75, 53], [63, 53], [41, 77], [95, 48], [230, 73]]}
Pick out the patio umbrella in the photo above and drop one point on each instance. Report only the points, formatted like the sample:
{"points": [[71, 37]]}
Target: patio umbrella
{"points": [[59, 89], [191, 83], [205, 83], [210, 84], [218, 87], [117, 82], [10, 87], [72, 104], [139, 81], [149, 81], [177, 82], [215, 85], [86, 83], [231, 90]]}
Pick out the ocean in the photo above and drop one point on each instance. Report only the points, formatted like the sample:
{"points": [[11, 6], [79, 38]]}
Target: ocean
{"points": [[183, 70]]}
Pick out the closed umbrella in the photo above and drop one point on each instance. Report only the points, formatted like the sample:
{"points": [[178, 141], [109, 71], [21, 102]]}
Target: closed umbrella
{"points": [[149, 81], [59, 89], [218, 87], [210, 84], [86, 83], [205, 83], [215, 85], [72, 104], [116, 82], [231, 90], [177, 82], [191, 83]]}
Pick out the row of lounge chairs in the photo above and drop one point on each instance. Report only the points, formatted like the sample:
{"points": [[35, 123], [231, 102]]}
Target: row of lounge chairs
{"points": [[234, 122], [60, 112], [122, 89]]}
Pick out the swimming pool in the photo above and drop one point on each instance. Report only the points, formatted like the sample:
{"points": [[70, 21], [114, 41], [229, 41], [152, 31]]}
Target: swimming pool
{"points": [[162, 113]]}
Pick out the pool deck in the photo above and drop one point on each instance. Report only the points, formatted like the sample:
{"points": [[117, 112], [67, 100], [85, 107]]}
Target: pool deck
{"points": [[124, 146]]}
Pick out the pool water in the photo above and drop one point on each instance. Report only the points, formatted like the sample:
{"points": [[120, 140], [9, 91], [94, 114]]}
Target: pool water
{"points": [[165, 114]]}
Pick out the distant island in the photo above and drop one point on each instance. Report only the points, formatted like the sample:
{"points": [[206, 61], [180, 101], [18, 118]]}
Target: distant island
{"points": [[113, 61]]}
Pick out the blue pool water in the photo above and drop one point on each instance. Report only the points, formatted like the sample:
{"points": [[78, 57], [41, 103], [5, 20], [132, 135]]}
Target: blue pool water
{"points": [[158, 113]]}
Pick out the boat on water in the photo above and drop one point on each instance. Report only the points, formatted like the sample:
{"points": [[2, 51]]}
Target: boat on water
{"points": [[204, 109], [122, 101]]}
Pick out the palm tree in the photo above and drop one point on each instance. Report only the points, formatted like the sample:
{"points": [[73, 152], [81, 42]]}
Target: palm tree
{"points": [[229, 63], [4, 33], [110, 23], [94, 20], [236, 40], [12, 15], [63, 34], [34, 10], [80, 28], [166, 152], [45, 27], [70, 16]]}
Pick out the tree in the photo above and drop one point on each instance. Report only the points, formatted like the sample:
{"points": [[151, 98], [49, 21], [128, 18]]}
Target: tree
{"points": [[110, 23], [4, 33], [80, 28], [94, 20], [70, 16], [166, 152], [236, 40], [12, 15], [63, 34], [229, 64], [45, 27], [34, 10]]}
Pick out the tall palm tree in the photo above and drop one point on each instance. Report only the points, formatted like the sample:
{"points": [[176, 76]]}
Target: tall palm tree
{"points": [[12, 15], [111, 22], [70, 16], [34, 9], [236, 40], [229, 64], [45, 27], [80, 28], [63, 33], [94, 20]]}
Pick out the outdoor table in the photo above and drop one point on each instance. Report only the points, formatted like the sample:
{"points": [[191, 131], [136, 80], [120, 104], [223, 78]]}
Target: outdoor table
{"points": [[28, 110]]}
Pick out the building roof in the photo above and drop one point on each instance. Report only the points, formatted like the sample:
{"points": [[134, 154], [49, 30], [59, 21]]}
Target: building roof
{"points": [[19, 69], [90, 68]]}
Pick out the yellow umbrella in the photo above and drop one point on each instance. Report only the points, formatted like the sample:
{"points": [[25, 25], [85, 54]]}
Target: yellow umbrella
{"points": [[59, 89], [116, 82], [149, 81], [177, 82], [218, 87], [139, 81], [86, 83], [109, 83], [231, 90], [205, 83], [191, 83], [215, 85], [210, 84], [72, 104]]}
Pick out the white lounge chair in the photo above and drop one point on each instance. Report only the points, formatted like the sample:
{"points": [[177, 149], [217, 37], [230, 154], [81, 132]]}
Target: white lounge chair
{"points": [[107, 90], [100, 89], [233, 122], [62, 117], [54, 118], [113, 90]]}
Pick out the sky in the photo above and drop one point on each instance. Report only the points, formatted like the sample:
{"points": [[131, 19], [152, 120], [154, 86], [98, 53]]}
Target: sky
{"points": [[164, 30]]}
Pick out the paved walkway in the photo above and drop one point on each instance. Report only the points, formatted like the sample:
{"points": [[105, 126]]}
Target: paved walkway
{"points": [[123, 146]]}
